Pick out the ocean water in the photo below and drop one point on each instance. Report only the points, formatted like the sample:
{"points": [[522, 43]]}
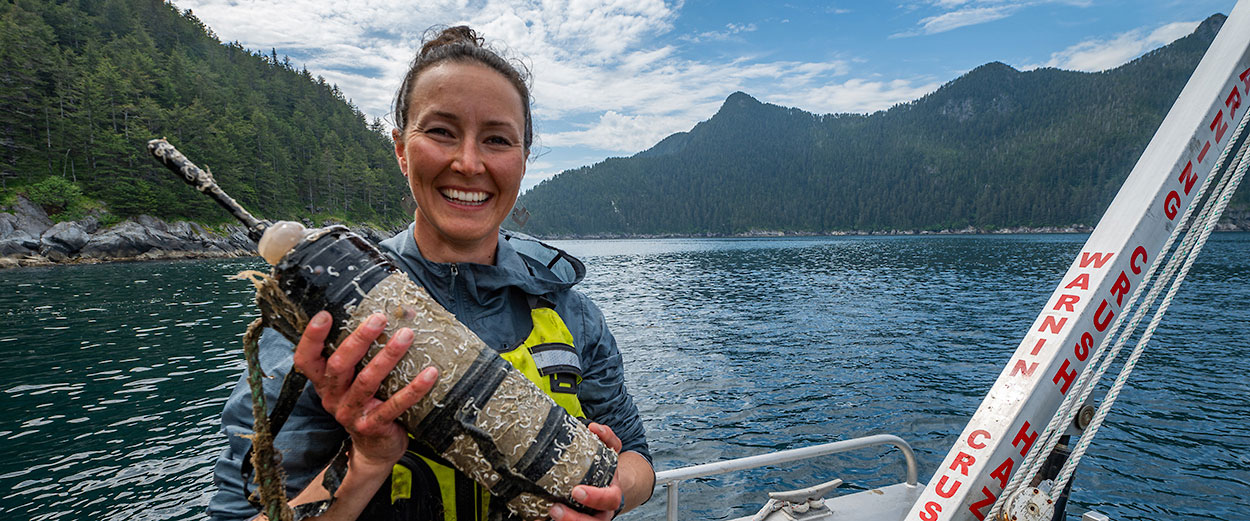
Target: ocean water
{"points": [[114, 375]]}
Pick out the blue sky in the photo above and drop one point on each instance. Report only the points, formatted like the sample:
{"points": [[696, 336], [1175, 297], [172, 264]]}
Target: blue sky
{"points": [[613, 78]]}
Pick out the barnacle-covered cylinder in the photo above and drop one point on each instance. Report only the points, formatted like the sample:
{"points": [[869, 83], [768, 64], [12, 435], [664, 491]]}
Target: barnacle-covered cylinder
{"points": [[482, 415]]}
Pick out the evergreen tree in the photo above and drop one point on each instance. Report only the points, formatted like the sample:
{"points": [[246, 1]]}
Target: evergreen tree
{"points": [[84, 85]]}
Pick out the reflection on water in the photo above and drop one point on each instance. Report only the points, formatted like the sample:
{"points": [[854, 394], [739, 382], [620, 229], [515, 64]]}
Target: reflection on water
{"points": [[114, 379], [115, 374]]}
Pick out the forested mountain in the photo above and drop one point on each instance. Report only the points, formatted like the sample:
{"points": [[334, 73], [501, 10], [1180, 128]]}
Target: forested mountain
{"points": [[994, 148], [85, 83]]}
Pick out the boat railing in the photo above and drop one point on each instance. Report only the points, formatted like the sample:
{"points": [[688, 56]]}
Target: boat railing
{"points": [[670, 479]]}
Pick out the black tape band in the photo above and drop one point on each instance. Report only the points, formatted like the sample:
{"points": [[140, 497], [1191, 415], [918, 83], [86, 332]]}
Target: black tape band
{"points": [[601, 470], [511, 483], [475, 386], [555, 433], [333, 272]]}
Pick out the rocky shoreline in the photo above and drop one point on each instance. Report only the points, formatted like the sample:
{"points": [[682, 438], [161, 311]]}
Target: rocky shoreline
{"points": [[28, 237], [1234, 221]]}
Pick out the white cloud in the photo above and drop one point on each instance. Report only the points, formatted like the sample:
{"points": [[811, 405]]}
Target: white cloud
{"points": [[954, 14], [729, 32], [963, 17], [364, 48], [384, 34], [856, 95], [1098, 55], [622, 133], [960, 17], [638, 106], [613, 66], [646, 107]]}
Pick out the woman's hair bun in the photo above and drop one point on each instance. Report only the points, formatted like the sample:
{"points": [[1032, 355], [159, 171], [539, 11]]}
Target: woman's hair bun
{"points": [[460, 34]]}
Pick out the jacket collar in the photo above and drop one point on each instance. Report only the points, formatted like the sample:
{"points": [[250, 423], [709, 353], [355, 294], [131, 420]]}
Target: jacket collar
{"points": [[525, 266]]}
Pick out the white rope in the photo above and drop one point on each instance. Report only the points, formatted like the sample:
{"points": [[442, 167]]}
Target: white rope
{"points": [[1089, 377], [1084, 385], [1220, 203]]}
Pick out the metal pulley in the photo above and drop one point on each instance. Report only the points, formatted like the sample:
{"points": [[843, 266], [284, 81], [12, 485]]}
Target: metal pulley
{"points": [[1084, 417], [1031, 504]]}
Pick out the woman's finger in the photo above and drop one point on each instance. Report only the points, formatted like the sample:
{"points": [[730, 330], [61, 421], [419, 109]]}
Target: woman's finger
{"points": [[341, 366], [406, 398], [599, 498], [370, 377], [308, 357], [606, 435], [604, 500]]}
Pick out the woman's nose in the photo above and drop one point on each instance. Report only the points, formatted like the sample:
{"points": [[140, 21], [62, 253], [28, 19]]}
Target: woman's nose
{"points": [[468, 160]]}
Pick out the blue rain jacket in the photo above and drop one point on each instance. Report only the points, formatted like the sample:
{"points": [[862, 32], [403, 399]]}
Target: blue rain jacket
{"points": [[493, 302]]}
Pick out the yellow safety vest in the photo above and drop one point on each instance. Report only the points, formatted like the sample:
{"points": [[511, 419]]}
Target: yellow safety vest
{"points": [[547, 358]]}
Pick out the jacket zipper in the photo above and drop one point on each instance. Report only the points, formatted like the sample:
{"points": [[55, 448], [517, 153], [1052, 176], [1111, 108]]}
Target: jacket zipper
{"points": [[455, 288]]}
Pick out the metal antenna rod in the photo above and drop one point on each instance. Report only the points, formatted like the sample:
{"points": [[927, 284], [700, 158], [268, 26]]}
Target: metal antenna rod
{"points": [[203, 181]]}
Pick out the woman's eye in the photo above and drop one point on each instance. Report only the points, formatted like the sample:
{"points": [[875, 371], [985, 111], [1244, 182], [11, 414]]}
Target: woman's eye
{"points": [[438, 131], [499, 140]]}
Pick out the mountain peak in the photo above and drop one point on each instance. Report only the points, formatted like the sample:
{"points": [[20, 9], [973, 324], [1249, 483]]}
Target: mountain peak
{"points": [[740, 97], [738, 102], [996, 68], [1212, 24]]}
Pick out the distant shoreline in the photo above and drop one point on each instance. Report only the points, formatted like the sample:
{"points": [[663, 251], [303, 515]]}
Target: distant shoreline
{"points": [[36, 260], [765, 234], [39, 261], [1240, 225]]}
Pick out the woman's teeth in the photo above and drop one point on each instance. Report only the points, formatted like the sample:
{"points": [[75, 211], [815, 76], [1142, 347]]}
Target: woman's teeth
{"points": [[464, 197]]}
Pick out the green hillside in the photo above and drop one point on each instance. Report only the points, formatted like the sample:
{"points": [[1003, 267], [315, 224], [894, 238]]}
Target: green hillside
{"points": [[994, 148], [85, 83]]}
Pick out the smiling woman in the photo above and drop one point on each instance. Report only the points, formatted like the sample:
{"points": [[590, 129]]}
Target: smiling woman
{"points": [[464, 157], [463, 139], [464, 135]]}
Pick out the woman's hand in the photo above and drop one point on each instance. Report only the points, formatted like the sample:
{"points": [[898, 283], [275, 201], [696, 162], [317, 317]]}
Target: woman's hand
{"points": [[633, 481], [377, 441]]}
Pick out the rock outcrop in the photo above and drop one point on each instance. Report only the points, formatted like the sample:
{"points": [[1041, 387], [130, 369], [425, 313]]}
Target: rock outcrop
{"points": [[21, 230], [28, 237], [66, 238]]}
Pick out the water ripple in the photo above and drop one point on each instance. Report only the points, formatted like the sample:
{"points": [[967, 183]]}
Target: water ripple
{"points": [[117, 373], [737, 347]]}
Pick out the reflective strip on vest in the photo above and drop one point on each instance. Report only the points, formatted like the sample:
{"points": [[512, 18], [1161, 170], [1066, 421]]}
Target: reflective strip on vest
{"points": [[555, 358]]}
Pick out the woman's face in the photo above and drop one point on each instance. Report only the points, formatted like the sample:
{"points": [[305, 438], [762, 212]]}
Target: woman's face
{"points": [[464, 158]]}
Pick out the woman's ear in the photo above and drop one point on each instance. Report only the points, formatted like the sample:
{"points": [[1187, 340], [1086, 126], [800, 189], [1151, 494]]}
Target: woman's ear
{"points": [[397, 137]]}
